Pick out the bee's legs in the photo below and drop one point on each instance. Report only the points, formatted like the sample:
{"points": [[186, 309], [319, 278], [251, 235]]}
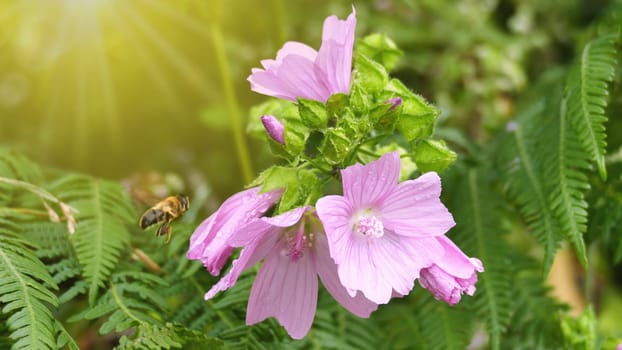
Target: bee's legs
{"points": [[164, 228], [168, 234]]}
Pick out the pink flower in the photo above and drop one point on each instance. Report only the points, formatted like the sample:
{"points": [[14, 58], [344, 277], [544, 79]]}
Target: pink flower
{"points": [[452, 274], [274, 128], [300, 71], [381, 233], [209, 242], [295, 252]]}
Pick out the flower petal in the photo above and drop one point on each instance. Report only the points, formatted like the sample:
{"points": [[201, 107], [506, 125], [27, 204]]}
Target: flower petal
{"points": [[295, 76], [326, 268], [367, 185], [415, 209], [335, 213], [335, 54], [258, 227], [209, 242], [249, 256], [286, 290], [455, 262]]}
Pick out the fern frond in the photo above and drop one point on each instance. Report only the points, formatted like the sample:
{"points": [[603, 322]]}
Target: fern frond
{"points": [[26, 293], [606, 216], [588, 95], [523, 173], [479, 233], [101, 232], [536, 320], [420, 322], [169, 336], [15, 166], [128, 302], [336, 328], [566, 180], [64, 338]]}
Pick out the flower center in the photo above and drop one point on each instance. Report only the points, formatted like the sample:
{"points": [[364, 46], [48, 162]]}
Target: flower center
{"points": [[296, 242], [370, 226]]}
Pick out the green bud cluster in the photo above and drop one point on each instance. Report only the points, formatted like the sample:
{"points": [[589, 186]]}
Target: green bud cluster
{"points": [[323, 138]]}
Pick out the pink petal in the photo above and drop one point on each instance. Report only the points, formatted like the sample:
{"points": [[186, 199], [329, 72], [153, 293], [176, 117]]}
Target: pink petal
{"points": [[249, 256], [296, 48], [295, 76], [335, 54], [209, 242], [285, 290], [455, 262], [358, 305], [380, 266], [367, 185], [335, 213], [415, 209], [256, 228]]}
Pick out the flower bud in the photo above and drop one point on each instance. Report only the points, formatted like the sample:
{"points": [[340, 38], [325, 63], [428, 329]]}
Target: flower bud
{"points": [[274, 128]]}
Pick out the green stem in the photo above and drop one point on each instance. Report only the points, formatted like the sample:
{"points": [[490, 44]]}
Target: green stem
{"points": [[25, 211], [230, 97], [31, 188], [122, 306]]}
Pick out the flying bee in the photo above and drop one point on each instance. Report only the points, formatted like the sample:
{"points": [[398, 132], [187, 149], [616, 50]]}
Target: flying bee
{"points": [[165, 211]]}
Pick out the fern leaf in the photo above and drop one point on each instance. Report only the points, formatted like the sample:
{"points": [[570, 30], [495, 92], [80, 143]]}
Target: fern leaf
{"points": [[566, 180], [525, 180], [101, 232], [26, 294], [536, 319], [15, 166], [478, 232], [588, 88]]}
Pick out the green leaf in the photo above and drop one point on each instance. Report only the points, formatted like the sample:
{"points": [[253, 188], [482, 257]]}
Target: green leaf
{"points": [[295, 135], [566, 181], [381, 49], [312, 113], [432, 155], [301, 186], [479, 233], [369, 74], [101, 232], [336, 145], [385, 115], [26, 292], [336, 106], [588, 88], [418, 117]]}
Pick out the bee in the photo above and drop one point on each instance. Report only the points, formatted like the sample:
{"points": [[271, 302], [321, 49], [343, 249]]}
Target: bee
{"points": [[165, 211]]}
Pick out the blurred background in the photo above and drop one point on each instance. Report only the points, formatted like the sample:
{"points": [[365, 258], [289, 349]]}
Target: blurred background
{"points": [[115, 87]]}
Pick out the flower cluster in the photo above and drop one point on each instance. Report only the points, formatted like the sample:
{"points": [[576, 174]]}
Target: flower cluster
{"points": [[368, 244]]}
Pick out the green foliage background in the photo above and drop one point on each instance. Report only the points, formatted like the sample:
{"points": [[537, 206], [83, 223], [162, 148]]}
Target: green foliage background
{"points": [[93, 93]]}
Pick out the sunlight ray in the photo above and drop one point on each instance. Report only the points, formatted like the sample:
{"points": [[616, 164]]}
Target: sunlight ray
{"points": [[52, 84], [179, 17], [110, 107], [149, 64], [81, 122], [185, 67]]}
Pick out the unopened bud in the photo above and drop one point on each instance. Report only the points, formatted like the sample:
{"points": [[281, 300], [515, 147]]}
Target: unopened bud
{"points": [[274, 128]]}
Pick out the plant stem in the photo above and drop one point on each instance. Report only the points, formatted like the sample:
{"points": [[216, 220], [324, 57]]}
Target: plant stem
{"points": [[230, 96]]}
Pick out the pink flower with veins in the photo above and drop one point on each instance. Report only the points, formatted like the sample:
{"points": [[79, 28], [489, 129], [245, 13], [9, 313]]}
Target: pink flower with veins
{"points": [[295, 252], [210, 241], [300, 71], [381, 234], [452, 274]]}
